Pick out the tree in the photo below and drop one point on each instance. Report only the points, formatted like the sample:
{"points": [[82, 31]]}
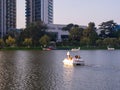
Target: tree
{"points": [[27, 42], [90, 33], [16, 34], [75, 33], [10, 41], [44, 40], [85, 41], [114, 42], [52, 35], [109, 29], [118, 33], [110, 41], [1, 43], [35, 31], [68, 27], [119, 41], [102, 34], [99, 42]]}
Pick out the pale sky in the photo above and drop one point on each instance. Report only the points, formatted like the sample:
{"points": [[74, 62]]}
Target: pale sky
{"points": [[79, 12]]}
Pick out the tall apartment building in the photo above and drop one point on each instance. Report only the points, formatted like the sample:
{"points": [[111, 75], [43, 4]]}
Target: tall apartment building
{"points": [[7, 16], [37, 10]]}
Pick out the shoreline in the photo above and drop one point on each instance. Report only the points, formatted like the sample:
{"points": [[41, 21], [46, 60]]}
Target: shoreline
{"points": [[58, 48]]}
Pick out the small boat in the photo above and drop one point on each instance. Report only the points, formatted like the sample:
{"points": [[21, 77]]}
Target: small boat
{"points": [[47, 49], [77, 60], [75, 49], [110, 48], [73, 62]]}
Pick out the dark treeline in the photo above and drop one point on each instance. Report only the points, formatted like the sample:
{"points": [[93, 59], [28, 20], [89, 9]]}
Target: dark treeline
{"points": [[108, 34], [36, 35]]}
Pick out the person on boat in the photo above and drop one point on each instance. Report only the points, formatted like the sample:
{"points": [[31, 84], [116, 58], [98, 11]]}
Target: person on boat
{"points": [[79, 57], [76, 56], [68, 56]]}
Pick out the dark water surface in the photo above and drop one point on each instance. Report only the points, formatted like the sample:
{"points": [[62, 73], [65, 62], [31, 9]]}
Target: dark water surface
{"points": [[44, 70]]}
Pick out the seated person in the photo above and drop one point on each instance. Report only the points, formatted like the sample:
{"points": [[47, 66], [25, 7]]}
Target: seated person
{"points": [[79, 57], [76, 56], [70, 58]]}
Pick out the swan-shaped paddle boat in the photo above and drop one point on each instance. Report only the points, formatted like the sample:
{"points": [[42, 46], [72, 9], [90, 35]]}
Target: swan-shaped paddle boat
{"points": [[73, 61], [77, 60]]}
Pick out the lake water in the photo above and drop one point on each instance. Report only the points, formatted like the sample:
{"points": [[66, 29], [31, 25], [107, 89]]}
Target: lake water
{"points": [[44, 70]]}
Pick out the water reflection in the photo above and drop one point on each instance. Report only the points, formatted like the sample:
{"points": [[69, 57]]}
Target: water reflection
{"points": [[68, 74]]}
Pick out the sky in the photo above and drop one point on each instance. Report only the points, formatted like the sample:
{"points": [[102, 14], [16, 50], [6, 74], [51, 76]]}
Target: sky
{"points": [[79, 12]]}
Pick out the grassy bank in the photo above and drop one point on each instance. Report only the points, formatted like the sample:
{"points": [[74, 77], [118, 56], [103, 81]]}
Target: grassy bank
{"points": [[21, 48], [58, 48]]}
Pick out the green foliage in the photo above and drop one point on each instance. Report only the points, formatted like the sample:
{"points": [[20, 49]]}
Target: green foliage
{"points": [[68, 27], [90, 34], [119, 41], [118, 33], [10, 41], [85, 41], [52, 35], [108, 29], [44, 40], [99, 42], [110, 41], [27, 42], [75, 33], [35, 31], [1, 43]]}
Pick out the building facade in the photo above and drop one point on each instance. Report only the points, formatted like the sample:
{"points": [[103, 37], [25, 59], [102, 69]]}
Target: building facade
{"points": [[39, 10], [7, 16]]}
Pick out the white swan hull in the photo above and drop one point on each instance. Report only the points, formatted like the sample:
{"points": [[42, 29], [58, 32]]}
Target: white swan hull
{"points": [[73, 62], [78, 62]]}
